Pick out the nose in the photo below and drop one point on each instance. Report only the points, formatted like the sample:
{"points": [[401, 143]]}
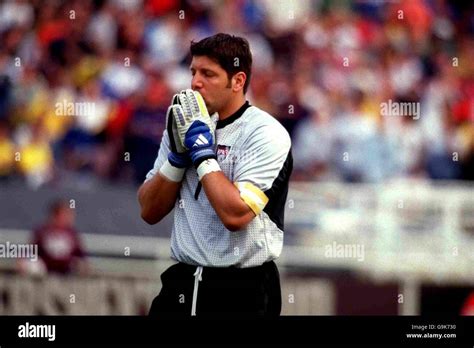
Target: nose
{"points": [[196, 82]]}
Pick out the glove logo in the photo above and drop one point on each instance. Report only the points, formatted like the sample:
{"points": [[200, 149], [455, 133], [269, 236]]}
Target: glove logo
{"points": [[201, 140]]}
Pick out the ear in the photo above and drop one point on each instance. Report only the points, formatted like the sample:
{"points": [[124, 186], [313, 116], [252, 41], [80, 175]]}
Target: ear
{"points": [[238, 81]]}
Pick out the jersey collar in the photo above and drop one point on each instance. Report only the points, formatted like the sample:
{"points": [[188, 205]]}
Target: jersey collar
{"points": [[234, 116]]}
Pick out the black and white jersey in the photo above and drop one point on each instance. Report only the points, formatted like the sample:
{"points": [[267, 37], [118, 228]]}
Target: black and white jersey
{"points": [[254, 152]]}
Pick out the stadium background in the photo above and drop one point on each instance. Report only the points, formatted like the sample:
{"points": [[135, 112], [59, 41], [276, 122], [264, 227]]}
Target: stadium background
{"points": [[395, 190]]}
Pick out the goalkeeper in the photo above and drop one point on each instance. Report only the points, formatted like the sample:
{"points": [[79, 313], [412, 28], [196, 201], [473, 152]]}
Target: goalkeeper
{"points": [[224, 166]]}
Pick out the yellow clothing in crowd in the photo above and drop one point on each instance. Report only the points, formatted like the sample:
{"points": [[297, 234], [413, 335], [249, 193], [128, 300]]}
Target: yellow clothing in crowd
{"points": [[35, 156]]}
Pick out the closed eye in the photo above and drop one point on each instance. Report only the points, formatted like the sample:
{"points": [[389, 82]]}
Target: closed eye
{"points": [[205, 72]]}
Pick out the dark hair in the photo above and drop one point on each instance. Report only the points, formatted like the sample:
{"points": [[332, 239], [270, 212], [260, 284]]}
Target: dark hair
{"points": [[57, 205], [224, 49]]}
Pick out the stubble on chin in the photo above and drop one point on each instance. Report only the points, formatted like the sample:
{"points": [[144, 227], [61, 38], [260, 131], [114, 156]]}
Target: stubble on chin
{"points": [[210, 109]]}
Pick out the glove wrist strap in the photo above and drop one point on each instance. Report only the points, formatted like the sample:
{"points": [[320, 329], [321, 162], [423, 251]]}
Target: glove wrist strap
{"points": [[179, 160], [172, 173], [208, 166], [199, 156]]}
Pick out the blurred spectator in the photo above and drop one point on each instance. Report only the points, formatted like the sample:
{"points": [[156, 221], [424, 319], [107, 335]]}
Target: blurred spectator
{"points": [[7, 152], [36, 161], [146, 127], [359, 150], [59, 245], [312, 148], [15, 13], [5, 96]]}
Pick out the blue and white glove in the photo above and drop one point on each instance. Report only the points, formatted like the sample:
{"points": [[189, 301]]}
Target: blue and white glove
{"points": [[195, 128]]}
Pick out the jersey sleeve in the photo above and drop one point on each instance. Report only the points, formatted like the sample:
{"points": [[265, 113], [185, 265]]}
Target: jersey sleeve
{"points": [[262, 170], [162, 156]]}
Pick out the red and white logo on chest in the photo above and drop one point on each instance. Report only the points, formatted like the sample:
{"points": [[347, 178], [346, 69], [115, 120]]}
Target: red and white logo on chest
{"points": [[222, 152]]}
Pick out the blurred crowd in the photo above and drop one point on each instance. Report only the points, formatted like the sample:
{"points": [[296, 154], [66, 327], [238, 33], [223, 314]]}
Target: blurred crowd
{"points": [[84, 85]]}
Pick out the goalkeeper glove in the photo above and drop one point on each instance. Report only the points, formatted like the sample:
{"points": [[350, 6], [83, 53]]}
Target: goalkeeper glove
{"points": [[195, 127], [178, 157]]}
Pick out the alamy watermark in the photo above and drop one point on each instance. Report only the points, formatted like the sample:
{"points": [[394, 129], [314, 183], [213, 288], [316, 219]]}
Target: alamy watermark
{"points": [[18, 251], [349, 251], [68, 108], [391, 108], [28, 330]]}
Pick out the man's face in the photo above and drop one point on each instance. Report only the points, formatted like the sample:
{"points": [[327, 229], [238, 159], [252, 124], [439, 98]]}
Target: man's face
{"points": [[212, 82]]}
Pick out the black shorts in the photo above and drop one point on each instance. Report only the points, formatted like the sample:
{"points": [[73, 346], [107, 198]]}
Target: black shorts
{"points": [[231, 291]]}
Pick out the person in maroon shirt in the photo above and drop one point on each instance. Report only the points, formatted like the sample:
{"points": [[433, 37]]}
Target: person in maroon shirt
{"points": [[59, 245]]}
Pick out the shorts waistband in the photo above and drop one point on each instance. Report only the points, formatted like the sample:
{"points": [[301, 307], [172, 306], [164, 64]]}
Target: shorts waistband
{"points": [[225, 270]]}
